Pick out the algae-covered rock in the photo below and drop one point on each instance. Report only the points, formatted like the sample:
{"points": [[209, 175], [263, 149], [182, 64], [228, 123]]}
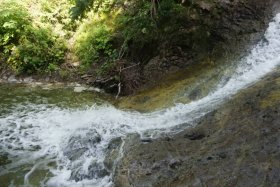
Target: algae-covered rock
{"points": [[236, 145]]}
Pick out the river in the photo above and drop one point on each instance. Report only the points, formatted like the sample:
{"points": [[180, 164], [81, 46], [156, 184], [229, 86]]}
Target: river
{"points": [[52, 136]]}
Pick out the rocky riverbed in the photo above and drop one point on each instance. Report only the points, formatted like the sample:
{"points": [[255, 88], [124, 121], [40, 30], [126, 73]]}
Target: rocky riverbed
{"points": [[236, 145], [211, 119]]}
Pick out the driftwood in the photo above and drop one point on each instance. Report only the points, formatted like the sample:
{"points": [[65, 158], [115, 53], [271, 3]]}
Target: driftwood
{"points": [[120, 73], [86, 76], [103, 81]]}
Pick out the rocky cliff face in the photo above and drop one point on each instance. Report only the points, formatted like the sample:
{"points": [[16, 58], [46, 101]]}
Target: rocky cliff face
{"points": [[236, 145], [213, 31]]}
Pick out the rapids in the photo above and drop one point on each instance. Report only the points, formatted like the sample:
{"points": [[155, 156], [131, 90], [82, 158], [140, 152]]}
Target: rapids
{"points": [[43, 143]]}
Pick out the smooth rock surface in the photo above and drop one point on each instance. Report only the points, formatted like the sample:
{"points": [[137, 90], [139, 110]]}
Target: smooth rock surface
{"points": [[236, 145]]}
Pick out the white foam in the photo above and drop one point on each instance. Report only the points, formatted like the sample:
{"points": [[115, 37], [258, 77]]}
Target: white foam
{"points": [[51, 127]]}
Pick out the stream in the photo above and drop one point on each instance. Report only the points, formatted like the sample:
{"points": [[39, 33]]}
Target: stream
{"points": [[54, 137]]}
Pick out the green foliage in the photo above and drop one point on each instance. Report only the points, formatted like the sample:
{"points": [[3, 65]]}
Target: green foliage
{"points": [[94, 45], [52, 67], [83, 6], [114, 29], [80, 8], [14, 20], [33, 33], [38, 50], [136, 24], [26, 47], [57, 15], [146, 22], [171, 15]]}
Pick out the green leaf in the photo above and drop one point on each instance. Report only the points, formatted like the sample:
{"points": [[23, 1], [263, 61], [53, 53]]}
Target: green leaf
{"points": [[10, 25]]}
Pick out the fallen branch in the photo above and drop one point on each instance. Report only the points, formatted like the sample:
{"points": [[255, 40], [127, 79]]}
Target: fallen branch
{"points": [[129, 67], [120, 73], [119, 90], [103, 81]]}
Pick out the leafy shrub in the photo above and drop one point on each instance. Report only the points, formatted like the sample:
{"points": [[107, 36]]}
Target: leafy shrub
{"points": [[56, 14], [14, 20], [138, 26], [83, 6], [94, 45], [26, 47], [145, 22], [38, 50], [80, 8]]}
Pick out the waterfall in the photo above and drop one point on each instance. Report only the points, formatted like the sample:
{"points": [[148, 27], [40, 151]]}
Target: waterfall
{"points": [[71, 143]]}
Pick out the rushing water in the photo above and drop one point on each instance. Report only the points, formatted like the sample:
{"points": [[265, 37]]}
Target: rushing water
{"points": [[43, 142]]}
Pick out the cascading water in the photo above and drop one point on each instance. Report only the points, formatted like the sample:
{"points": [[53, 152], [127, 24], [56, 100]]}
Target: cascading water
{"points": [[71, 144]]}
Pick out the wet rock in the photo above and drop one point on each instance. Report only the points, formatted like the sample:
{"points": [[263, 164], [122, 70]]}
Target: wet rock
{"points": [[115, 143], [79, 89], [240, 146], [114, 148], [79, 144], [156, 166], [76, 153], [12, 79], [194, 136], [195, 94], [174, 163], [146, 140], [112, 153], [168, 138], [94, 171], [222, 155], [4, 160]]}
